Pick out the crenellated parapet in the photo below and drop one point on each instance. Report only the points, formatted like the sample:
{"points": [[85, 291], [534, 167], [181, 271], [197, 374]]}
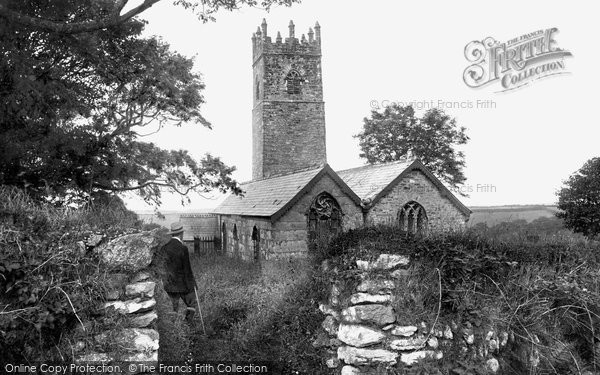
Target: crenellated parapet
{"points": [[263, 44]]}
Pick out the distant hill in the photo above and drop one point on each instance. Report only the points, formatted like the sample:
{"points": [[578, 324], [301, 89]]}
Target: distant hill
{"points": [[169, 216], [492, 215]]}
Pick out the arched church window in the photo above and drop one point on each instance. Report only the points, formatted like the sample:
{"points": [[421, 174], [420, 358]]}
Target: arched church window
{"points": [[412, 218], [293, 82], [324, 220]]}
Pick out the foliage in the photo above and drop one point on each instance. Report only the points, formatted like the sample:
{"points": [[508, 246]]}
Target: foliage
{"points": [[396, 132], [540, 229], [579, 200], [544, 294], [110, 13], [49, 283], [73, 109], [255, 312]]}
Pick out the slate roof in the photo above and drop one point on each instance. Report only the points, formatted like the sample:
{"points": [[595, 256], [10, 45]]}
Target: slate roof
{"points": [[367, 181], [271, 197]]}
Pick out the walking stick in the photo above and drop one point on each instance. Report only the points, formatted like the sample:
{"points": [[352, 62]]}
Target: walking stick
{"points": [[199, 310]]}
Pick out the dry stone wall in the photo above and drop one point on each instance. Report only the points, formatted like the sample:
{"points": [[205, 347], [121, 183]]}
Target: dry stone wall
{"points": [[125, 326], [361, 331]]}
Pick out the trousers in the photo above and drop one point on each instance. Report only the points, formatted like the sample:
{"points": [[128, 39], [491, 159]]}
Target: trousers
{"points": [[188, 298]]}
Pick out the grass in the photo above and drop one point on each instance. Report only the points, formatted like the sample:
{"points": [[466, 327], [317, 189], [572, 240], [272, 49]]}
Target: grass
{"points": [[252, 312]]}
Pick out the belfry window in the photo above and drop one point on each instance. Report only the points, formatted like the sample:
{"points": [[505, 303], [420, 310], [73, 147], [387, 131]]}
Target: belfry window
{"points": [[412, 218], [293, 82]]}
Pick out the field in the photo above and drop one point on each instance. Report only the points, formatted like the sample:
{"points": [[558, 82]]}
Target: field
{"points": [[493, 215], [167, 218]]}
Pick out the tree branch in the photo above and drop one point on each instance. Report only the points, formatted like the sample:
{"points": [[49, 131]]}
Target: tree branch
{"points": [[148, 183], [75, 27]]}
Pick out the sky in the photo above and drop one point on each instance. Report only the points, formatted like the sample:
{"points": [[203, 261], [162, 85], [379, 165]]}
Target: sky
{"points": [[523, 143]]}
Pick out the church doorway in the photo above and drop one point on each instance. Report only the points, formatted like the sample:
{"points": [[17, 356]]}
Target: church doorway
{"points": [[324, 221]]}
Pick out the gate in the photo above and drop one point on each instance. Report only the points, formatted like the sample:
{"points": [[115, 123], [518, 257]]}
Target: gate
{"points": [[204, 245]]}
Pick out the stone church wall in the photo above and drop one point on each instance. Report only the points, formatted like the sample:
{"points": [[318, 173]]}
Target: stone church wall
{"points": [[290, 231], [288, 236], [442, 214], [243, 246]]}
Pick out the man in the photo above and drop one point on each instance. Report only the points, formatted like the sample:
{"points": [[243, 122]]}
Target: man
{"points": [[177, 276]]}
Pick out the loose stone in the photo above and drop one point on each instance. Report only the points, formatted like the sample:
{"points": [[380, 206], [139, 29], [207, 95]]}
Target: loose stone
{"points": [[377, 314], [361, 356], [407, 344], [359, 336], [359, 298], [414, 357], [405, 331]]}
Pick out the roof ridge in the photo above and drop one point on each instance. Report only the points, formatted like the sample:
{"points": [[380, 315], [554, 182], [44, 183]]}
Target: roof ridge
{"points": [[408, 161], [284, 174], [307, 169]]}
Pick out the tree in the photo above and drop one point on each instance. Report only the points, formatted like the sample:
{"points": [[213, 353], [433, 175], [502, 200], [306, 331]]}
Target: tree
{"points": [[109, 13], [73, 108], [397, 132], [579, 200]]}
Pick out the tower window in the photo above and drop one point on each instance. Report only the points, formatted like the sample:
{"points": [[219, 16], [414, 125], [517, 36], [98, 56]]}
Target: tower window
{"points": [[293, 82]]}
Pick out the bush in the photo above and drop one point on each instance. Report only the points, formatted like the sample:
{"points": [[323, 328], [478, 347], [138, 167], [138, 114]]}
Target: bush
{"points": [[545, 294], [49, 282]]}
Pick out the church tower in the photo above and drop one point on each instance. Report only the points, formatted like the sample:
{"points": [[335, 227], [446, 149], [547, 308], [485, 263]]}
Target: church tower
{"points": [[288, 115]]}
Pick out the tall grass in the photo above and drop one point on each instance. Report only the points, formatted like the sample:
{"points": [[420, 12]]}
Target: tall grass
{"points": [[265, 312]]}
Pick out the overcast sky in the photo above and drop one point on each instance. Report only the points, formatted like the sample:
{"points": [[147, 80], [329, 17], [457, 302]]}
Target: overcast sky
{"points": [[524, 144]]}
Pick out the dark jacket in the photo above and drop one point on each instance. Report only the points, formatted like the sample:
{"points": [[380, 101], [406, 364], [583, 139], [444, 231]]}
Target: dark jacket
{"points": [[176, 270]]}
